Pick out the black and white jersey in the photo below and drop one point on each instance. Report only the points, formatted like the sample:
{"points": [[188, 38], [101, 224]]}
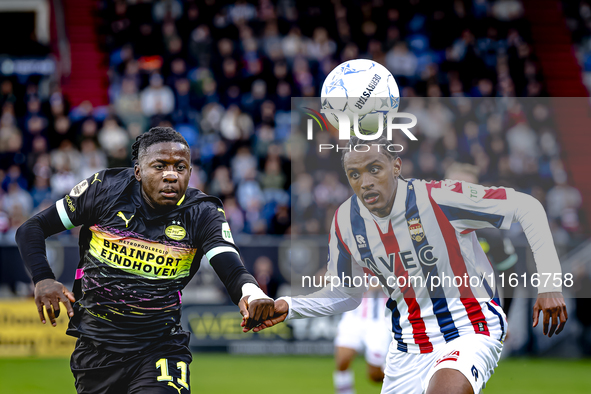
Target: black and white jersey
{"points": [[135, 261]]}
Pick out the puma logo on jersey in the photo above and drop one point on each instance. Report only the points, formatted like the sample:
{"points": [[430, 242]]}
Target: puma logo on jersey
{"points": [[122, 216], [175, 386], [95, 179], [222, 211]]}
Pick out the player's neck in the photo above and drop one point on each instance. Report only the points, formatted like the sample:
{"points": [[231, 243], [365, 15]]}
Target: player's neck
{"points": [[386, 211], [151, 206], [383, 213]]}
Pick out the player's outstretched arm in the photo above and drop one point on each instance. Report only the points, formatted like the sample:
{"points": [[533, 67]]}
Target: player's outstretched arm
{"points": [[30, 238], [325, 302], [531, 215]]}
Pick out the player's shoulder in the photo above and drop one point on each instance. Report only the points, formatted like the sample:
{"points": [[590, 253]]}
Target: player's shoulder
{"points": [[112, 177], [453, 189], [342, 215], [201, 203], [434, 186], [109, 181], [344, 210]]}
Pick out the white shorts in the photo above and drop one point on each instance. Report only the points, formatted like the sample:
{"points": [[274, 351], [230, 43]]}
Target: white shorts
{"points": [[475, 356], [367, 336]]}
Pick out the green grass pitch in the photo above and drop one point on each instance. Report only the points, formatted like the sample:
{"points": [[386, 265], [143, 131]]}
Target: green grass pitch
{"points": [[285, 375]]}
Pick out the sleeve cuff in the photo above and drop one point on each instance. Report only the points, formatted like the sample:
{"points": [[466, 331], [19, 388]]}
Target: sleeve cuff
{"points": [[549, 289], [43, 276], [289, 305], [254, 292]]}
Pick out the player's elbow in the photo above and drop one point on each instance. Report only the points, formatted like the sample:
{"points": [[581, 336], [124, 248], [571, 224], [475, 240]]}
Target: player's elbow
{"points": [[530, 204], [21, 233], [352, 303]]}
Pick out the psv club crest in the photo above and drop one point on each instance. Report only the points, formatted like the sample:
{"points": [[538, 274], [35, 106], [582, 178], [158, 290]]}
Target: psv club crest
{"points": [[416, 229]]}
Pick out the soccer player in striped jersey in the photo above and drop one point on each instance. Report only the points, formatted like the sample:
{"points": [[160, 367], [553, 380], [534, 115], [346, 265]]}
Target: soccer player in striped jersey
{"points": [[446, 338]]}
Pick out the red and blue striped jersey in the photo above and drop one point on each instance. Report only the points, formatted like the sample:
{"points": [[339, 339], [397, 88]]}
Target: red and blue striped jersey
{"points": [[428, 234]]}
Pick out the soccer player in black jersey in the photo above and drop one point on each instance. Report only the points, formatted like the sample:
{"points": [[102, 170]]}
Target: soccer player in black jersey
{"points": [[143, 235]]}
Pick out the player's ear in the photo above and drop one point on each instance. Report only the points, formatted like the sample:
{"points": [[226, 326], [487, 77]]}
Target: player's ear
{"points": [[397, 165], [136, 171]]}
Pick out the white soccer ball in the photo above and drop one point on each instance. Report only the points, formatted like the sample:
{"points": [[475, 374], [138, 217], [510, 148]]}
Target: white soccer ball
{"points": [[360, 87]]}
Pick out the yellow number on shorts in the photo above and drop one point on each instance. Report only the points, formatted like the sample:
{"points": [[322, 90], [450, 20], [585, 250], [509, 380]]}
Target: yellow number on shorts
{"points": [[163, 365], [183, 380]]}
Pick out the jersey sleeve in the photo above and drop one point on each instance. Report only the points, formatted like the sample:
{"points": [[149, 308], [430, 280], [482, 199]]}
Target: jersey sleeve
{"points": [[470, 207], [341, 262], [216, 242], [215, 236], [81, 205]]}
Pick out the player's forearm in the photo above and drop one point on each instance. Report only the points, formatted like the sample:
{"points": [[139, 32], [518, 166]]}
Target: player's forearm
{"points": [[325, 302], [232, 273], [30, 238], [532, 217]]}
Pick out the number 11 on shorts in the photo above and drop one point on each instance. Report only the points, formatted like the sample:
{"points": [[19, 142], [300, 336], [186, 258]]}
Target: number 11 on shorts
{"points": [[162, 364]]}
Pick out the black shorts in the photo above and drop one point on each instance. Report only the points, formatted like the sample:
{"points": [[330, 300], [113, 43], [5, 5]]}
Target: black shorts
{"points": [[160, 369]]}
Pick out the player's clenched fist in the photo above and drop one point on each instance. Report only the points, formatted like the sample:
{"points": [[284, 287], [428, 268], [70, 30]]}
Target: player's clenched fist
{"points": [[255, 312], [279, 314]]}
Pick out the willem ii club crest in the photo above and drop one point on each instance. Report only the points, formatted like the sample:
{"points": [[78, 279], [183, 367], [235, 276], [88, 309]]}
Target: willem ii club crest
{"points": [[416, 229]]}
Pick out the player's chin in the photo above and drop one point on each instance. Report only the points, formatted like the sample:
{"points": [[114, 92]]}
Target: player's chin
{"points": [[168, 201], [376, 207]]}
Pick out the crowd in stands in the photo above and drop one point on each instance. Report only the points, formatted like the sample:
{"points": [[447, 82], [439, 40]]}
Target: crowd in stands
{"points": [[224, 74], [578, 17]]}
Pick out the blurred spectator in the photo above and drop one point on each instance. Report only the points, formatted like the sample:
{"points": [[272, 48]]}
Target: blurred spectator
{"points": [[17, 198], [234, 215], [14, 175], [63, 180], [157, 99], [249, 193], [115, 141], [40, 191], [243, 163], [222, 184], [93, 159], [400, 61], [321, 46], [263, 273], [128, 105], [563, 202], [330, 191]]}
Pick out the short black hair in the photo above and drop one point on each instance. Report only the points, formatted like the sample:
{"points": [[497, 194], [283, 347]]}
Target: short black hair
{"points": [[354, 140], [154, 136]]}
